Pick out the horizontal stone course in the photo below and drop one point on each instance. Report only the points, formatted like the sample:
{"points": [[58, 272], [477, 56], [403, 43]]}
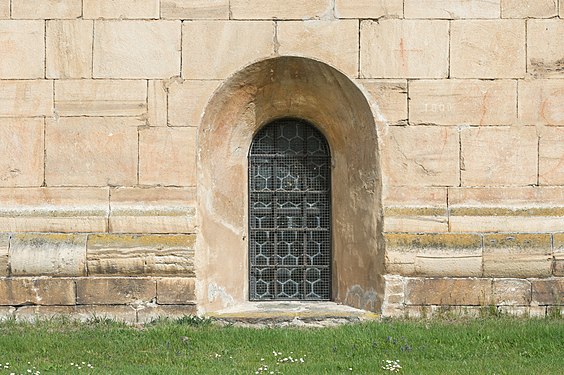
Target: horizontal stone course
{"points": [[115, 291], [368, 8], [133, 255], [122, 9], [449, 291], [46, 9], [37, 291], [274, 9], [452, 9], [529, 8], [195, 9], [26, 98]]}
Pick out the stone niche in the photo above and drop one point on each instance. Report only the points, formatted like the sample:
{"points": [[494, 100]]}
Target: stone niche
{"points": [[258, 94]]}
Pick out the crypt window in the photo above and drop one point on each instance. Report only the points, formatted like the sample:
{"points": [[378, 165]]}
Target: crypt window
{"points": [[289, 213]]}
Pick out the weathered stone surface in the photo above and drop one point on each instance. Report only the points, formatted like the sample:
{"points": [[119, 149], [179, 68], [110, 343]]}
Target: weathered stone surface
{"points": [[37, 291], [4, 245], [4, 9], [332, 42], [561, 8], [528, 8], [156, 210], [420, 156], [394, 296], [487, 49], [548, 291], [477, 223], [437, 254], [125, 314], [50, 9], [511, 292], [137, 49], [388, 98], [512, 198], [427, 197], [188, 100], [17, 62], [551, 157], [72, 158], [195, 9], [558, 240], [32, 314], [517, 255], [21, 152], [129, 255], [69, 49], [462, 102], [167, 156], [499, 156], [545, 47], [122, 9], [150, 313], [115, 291], [54, 209], [204, 52], [48, 255], [289, 9], [100, 97], [7, 313], [452, 9], [415, 210], [541, 102], [176, 291], [368, 8], [445, 291], [157, 103], [404, 49]]}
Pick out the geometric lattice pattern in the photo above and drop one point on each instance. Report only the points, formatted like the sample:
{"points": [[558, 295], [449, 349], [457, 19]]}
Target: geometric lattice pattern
{"points": [[289, 213]]}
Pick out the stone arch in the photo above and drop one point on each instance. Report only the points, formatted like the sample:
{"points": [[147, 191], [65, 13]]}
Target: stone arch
{"points": [[260, 93]]}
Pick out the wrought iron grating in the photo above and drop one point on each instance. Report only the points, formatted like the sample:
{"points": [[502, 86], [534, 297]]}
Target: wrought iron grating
{"points": [[289, 213]]}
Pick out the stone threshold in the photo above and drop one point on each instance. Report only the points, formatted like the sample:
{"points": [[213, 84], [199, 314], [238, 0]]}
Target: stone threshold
{"points": [[298, 313]]}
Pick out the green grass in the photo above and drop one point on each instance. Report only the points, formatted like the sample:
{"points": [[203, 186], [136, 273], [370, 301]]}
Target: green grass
{"points": [[192, 346]]}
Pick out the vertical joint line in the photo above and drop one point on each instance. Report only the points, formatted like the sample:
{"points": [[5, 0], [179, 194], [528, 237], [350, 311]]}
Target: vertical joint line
{"points": [[44, 184], [538, 159], [449, 47], [93, 41], [181, 53], [108, 229], [359, 48]]}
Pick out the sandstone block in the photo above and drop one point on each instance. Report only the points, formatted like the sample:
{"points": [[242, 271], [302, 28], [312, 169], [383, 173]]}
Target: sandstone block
{"points": [[151, 313], [404, 49], [333, 42], [448, 291], [462, 102], [205, 55], [26, 98], [499, 156], [548, 291], [389, 97], [157, 103], [69, 49], [54, 209], [541, 102], [551, 157], [167, 156], [48, 9], [176, 291], [74, 159], [414, 222], [512, 198], [420, 156], [528, 8], [452, 9], [21, 152], [129, 255], [122, 9], [558, 241], [402, 196], [5, 9], [48, 255], [31, 314], [136, 49], [17, 62], [545, 48], [274, 9], [37, 291], [4, 245], [100, 98], [188, 100], [115, 291], [368, 8], [195, 9], [517, 255], [487, 49], [561, 8], [126, 314], [502, 223], [511, 292], [7, 313], [156, 210]]}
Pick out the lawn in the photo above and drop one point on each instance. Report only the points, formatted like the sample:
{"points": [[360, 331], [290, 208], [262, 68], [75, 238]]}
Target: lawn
{"points": [[194, 346]]}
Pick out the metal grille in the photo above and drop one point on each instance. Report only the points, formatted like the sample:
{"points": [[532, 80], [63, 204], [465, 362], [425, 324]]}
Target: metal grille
{"points": [[289, 213]]}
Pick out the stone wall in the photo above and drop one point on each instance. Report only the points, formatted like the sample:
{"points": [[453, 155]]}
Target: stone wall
{"points": [[101, 107]]}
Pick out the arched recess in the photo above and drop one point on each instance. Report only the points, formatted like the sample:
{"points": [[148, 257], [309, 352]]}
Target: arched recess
{"points": [[260, 93]]}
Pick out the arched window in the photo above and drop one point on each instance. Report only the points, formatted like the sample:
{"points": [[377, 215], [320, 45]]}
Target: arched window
{"points": [[289, 213]]}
